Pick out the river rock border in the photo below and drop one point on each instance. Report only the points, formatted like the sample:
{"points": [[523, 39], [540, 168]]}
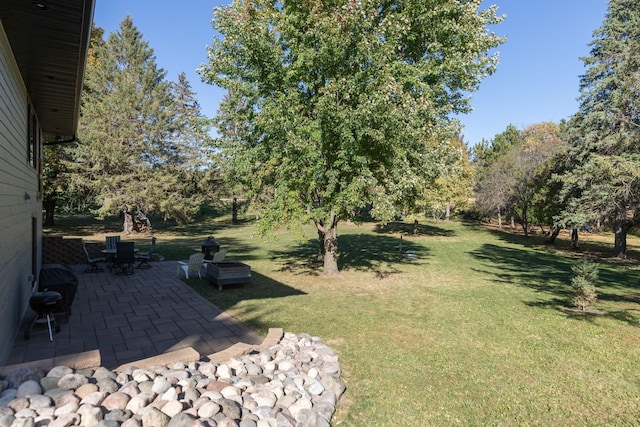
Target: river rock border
{"points": [[290, 381]]}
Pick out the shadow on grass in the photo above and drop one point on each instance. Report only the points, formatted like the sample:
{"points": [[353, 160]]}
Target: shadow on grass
{"points": [[358, 252], [407, 229], [211, 220], [260, 287], [551, 274], [542, 272]]}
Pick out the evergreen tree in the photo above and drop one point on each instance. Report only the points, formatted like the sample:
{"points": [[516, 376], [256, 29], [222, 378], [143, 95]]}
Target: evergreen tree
{"points": [[583, 283], [486, 152], [132, 134], [603, 180]]}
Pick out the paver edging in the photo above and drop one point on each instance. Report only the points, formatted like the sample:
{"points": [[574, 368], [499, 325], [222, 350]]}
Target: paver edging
{"points": [[85, 360], [92, 359]]}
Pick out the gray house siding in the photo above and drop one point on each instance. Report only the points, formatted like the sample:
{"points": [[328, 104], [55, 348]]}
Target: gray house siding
{"points": [[20, 204]]}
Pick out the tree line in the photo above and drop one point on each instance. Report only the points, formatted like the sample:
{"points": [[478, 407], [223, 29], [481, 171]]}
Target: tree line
{"points": [[143, 143], [585, 171], [337, 106]]}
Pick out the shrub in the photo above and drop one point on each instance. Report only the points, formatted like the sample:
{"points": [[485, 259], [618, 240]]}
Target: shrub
{"points": [[584, 283]]}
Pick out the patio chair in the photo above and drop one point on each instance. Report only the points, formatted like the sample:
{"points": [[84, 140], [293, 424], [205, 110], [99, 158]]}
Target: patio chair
{"points": [[125, 258], [193, 266], [145, 257], [93, 267], [111, 242], [219, 256]]}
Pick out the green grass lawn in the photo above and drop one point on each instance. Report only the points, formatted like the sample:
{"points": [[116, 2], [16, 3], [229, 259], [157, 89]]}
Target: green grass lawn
{"points": [[477, 331]]}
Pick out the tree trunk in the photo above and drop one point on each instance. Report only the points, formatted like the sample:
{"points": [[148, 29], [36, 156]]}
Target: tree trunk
{"points": [[416, 227], [447, 212], [620, 228], [127, 226], [328, 243], [321, 250], [554, 234], [234, 214], [525, 222], [49, 205], [499, 220], [574, 238]]}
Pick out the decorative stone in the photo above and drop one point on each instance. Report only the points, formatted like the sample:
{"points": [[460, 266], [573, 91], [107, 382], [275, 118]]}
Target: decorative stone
{"points": [[72, 381], [172, 408], [117, 400], [299, 405], [230, 408], [181, 420], [59, 371], [86, 389], [18, 404], [246, 391], [66, 398], [6, 420], [140, 401], [69, 408], [24, 422], [28, 388], [66, 420], [155, 418], [40, 401], [94, 398], [20, 375], [208, 410], [108, 385], [90, 415], [160, 385]]}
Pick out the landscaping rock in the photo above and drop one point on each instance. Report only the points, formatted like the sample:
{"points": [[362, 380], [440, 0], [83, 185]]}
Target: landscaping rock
{"points": [[293, 383]]}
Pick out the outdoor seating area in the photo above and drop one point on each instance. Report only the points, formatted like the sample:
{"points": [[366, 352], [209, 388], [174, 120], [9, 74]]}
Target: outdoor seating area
{"points": [[217, 271], [122, 256], [118, 316], [228, 273]]}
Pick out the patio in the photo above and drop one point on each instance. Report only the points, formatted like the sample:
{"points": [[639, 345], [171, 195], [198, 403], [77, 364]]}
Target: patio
{"points": [[128, 318]]}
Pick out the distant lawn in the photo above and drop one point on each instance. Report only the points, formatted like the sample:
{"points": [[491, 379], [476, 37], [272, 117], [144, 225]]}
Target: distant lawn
{"points": [[477, 331]]}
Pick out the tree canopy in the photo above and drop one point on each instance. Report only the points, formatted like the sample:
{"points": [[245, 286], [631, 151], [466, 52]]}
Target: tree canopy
{"points": [[603, 177], [139, 133], [338, 104], [516, 175]]}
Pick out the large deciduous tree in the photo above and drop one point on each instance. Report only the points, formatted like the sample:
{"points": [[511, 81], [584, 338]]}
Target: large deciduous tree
{"points": [[336, 104], [511, 181], [452, 191], [137, 132], [604, 176], [493, 171]]}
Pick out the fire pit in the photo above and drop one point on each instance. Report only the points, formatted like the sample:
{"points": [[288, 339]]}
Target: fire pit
{"points": [[228, 273]]}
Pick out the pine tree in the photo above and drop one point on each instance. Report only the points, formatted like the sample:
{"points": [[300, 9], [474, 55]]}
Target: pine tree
{"points": [[127, 157], [604, 170], [583, 283]]}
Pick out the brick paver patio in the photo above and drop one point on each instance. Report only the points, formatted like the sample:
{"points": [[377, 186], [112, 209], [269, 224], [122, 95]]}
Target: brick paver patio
{"points": [[128, 318]]}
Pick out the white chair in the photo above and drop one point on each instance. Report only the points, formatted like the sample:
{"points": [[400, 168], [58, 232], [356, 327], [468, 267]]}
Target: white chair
{"points": [[193, 266], [219, 256]]}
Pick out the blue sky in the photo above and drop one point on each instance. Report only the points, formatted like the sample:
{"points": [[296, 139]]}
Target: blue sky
{"points": [[537, 79]]}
